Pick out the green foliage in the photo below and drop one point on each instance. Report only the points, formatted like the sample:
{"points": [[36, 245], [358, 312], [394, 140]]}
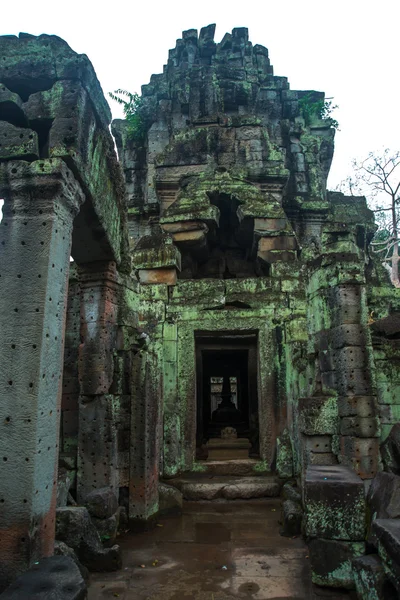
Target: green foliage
{"points": [[131, 105], [321, 109]]}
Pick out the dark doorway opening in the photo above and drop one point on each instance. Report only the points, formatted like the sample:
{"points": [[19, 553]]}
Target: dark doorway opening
{"points": [[226, 375]]}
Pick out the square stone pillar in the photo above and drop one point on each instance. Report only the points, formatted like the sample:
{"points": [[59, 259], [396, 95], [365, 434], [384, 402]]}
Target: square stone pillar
{"points": [[41, 200], [145, 436], [97, 437]]}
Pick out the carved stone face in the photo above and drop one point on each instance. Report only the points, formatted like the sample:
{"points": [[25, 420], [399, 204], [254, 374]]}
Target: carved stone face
{"points": [[229, 433]]}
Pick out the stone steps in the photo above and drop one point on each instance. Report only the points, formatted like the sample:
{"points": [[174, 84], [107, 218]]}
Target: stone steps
{"points": [[245, 467], [206, 487]]}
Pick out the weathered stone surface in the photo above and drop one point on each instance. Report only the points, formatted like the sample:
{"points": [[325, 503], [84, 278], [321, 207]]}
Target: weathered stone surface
{"points": [[107, 529], [391, 450], [170, 499], [18, 143], [292, 516], [334, 504], [61, 549], [331, 562], [50, 578], [384, 496], [230, 488], [369, 577], [102, 503], [238, 253], [63, 486], [74, 527], [289, 492], [284, 459], [318, 415]]}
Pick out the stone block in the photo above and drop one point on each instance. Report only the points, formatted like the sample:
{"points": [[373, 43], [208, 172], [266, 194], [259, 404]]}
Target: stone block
{"points": [[387, 534], [365, 427], [349, 335], [107, 529], [354, 382], [170, 499], [369, 577], [361, 453], [157, 276], [334, 504], [361, 406], [384, 496], [289, 492], [318, 415], [61, 549], [75, 528], [18, 143], [331, 562], [102, 503], [261, 224], [277, 242], [292, 516], [272, 256], [391, 450], [49, 579]]}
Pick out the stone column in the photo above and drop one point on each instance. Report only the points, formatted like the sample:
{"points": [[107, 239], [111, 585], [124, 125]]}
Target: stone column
{"points": [[41, 200], [145, 436], [97, 437]]}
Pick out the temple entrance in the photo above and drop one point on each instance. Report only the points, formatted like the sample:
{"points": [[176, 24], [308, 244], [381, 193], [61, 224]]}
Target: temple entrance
{"points": [[227, 396]]}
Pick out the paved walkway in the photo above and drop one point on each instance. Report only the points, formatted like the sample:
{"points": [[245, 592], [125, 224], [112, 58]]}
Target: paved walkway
{"points": [[215, 551]]}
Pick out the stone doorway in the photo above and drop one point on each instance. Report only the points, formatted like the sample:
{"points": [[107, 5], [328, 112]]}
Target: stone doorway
{"points": [[227, 395]]}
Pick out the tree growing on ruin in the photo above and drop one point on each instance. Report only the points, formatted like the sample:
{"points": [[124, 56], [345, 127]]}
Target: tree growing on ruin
{"points": [[378, 178]]}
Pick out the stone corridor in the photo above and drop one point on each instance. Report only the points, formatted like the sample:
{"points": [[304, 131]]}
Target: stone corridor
{"points": [[214, 551]]}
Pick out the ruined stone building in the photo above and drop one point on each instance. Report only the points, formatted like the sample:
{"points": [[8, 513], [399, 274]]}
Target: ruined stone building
{"points": [[209, 262]]}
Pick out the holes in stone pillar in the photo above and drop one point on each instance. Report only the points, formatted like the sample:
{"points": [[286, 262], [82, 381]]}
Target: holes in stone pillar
{"points": [[5, 458], [10, 382]]}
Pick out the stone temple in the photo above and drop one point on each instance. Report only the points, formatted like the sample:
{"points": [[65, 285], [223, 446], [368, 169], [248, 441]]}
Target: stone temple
{"points": [[223, 314]]}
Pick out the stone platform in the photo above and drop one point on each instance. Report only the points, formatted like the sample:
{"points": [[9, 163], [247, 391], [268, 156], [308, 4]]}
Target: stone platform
{"points": [[225, 487], [239, 467]]}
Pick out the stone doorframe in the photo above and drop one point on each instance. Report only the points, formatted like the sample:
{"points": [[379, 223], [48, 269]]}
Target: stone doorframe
{"points": [[180, 414]]}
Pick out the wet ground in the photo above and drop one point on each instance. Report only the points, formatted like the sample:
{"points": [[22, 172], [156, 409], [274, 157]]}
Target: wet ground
{"points": [[214, 551]]}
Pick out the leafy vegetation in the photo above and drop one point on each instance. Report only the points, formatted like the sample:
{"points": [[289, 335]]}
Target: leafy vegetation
{"points": [[321, 109], [132, 105]]}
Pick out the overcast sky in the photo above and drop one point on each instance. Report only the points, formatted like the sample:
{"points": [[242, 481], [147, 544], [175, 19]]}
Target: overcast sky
{"points": [[348, 49]]}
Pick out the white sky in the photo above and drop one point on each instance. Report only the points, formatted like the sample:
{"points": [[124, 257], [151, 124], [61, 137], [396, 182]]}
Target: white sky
{"points": [[349, 49]]}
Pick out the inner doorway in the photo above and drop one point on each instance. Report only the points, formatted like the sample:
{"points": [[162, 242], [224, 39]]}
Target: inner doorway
{"points": [[227, 396]]}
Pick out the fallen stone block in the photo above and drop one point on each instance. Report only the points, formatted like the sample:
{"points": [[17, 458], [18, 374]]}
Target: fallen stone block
{"points": [[102, 503], [54, 578], [170, 499], [75, 528], [387, 534], [334, 504], [369, 577], [384, 496], [331, 562], [61, 549]]}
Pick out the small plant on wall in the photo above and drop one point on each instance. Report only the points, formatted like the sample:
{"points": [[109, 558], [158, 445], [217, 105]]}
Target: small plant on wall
{"points": [[320, 109], [131, 106]]}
